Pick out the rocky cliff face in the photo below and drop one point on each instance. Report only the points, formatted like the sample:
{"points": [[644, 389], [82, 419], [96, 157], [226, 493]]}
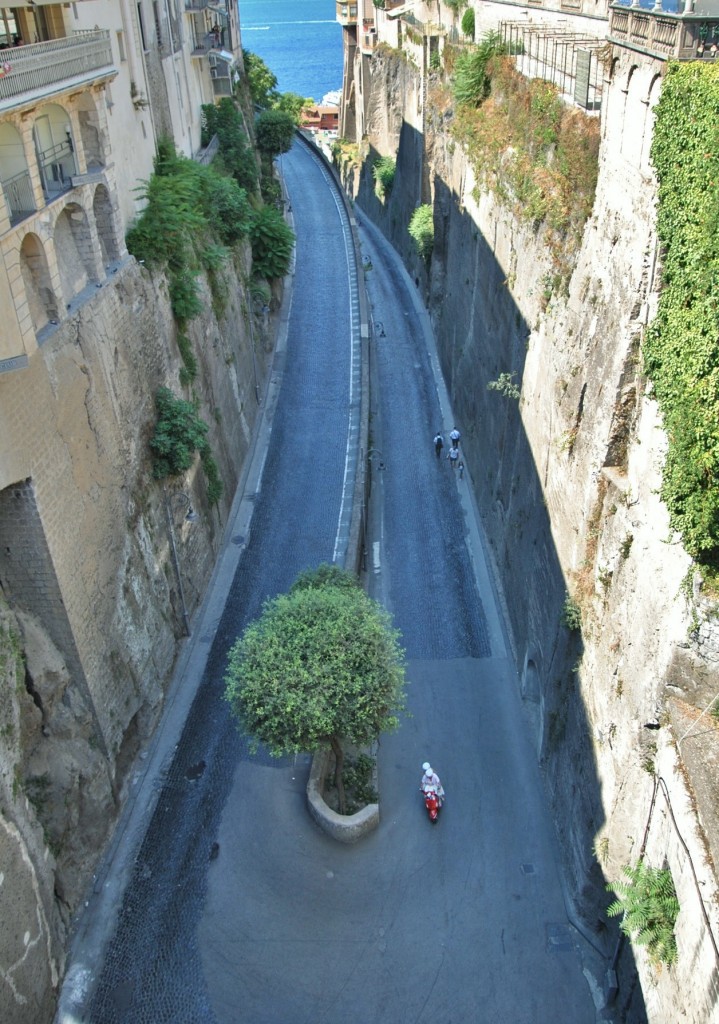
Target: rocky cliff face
{"points": [[566, 461], [91, 608]]}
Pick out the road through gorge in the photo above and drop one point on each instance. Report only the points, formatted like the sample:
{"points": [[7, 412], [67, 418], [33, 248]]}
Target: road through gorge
{"points": [[237, 909]]}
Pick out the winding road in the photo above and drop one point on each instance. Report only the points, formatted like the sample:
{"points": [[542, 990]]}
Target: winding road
{"points": [[237, 908]]}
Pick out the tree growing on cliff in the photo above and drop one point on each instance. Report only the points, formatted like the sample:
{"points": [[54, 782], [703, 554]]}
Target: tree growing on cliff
{"points": [[321, 666]]}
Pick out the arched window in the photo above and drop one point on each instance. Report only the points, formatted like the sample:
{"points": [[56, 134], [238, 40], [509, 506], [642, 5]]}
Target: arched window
{"points": [[14, 175], [41, 299], [73, 250], [102, 210], [55, 150]]}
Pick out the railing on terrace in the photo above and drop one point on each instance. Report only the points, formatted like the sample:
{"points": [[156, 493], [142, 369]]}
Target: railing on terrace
{"points": [[19, 196], [57, 166], [566, 59], [207, 155], [40, 66], [669, 29]]}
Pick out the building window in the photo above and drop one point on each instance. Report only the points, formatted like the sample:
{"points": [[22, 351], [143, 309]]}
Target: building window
{"points": [[141, 22], [121, 45]]}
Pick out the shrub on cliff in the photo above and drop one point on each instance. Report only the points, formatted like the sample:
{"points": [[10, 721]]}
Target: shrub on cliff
{"points": [[321, 666], [647, 901], [421, 229], [272, 242], [681, 348], [383, 173]]}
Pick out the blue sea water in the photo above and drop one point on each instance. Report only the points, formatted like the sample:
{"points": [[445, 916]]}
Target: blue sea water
{"points": [[300, 42]]}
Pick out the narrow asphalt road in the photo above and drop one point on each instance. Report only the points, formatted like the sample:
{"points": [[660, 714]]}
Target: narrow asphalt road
{"points": [[236, 908]]}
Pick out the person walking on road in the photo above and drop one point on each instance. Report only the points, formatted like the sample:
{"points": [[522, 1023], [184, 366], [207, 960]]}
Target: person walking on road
{"points": [[454, 438], [461, 469], [438, 444], [453, 456]]}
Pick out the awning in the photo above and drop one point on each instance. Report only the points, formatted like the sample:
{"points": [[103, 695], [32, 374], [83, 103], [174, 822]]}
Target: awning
{"points": [[224, 55]]}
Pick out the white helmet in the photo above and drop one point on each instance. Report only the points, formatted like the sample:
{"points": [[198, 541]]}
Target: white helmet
{"points": [[426, 767]]}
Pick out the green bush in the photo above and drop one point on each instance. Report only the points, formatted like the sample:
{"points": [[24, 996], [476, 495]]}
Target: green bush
{"points": [[272, 242], [236, 153], [571, 614], [421, 228], [681, 348], [274, 132], [179, 434], [648, 900], [471, 80], [383, 172], [262, 82], [468, 23], [184, 297]]}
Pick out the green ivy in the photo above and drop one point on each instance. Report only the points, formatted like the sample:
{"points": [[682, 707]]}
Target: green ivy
{"points": [[681, 349], [647, 899], [179, 434]]}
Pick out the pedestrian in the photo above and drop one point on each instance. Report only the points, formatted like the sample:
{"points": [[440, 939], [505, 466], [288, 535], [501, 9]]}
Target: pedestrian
{"points": [[454, 438], [460, 467], [438, 444], [453, 456]]}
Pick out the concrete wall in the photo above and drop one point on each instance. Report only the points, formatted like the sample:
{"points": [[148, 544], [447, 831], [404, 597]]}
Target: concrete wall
{"points": [[566, 478]]}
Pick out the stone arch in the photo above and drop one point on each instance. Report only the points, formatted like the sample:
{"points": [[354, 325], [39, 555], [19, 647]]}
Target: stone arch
{"points": [[633, 119], [655, 88], [55, 149], [73, 250], [15, 175], [105, 223], [92, 134], [41, 298]]}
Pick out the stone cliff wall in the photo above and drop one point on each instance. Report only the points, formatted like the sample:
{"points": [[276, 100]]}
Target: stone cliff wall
{"points": [[566, 475], [91, 612]]}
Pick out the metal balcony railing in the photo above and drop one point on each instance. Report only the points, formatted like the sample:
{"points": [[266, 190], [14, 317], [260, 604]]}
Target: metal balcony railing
{"points": [[57, 167], [19, 197], [44, 66]]}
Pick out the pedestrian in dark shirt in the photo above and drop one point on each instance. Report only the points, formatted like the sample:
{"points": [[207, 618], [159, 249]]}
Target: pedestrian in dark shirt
{"points": [[438, 444]]}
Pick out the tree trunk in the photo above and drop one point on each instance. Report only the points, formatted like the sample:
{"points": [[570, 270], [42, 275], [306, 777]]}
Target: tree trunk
{"points": [[339, 765]]}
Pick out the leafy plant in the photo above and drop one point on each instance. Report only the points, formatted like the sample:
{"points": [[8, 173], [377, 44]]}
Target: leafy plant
{"points": [[237, 156], [357, 779], [262, 82], [571, 614], [505, 385], [467, 23], [272, 242], [681, 350], [421, 229], [648, 900], [179, 435], [274, 132], [471, 78], [184, 298], [322, 665], [383, 172]]}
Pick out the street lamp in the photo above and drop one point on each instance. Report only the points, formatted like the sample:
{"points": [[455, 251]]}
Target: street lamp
{"points": [[190, 517]]}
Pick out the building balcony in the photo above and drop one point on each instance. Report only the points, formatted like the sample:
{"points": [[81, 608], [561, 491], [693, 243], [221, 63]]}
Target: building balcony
{"points": [[346, 13], [18, 197], [196, 5], [667, 29], [35, 72]]}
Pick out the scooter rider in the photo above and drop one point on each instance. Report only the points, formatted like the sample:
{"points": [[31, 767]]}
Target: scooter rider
{"points": [[430, 778]]}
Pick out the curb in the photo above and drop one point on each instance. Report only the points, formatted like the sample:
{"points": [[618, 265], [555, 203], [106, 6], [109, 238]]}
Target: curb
{"points": [[345, 828]]}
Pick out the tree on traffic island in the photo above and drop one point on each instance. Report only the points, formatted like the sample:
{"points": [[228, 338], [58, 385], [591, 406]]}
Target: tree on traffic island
{"points": [[321, 666]]}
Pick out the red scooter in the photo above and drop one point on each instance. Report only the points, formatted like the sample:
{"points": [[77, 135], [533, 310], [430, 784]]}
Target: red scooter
{"points": [[433, 802]]}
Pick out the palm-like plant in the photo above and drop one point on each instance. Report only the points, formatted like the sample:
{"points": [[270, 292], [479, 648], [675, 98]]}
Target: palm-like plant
{"points": [[648, 900]]}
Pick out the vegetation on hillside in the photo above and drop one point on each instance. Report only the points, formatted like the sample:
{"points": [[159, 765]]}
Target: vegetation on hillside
{"points": [[321, 666], [681, 348], [383, 172], [179, 435], [536, 153], [421, 229]]}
